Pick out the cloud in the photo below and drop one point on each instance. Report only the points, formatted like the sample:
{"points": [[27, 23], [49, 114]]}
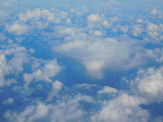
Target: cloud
{"points": [[8, 101], [149, 84], [13, 65], [152, 30], [2, 37], [36, 14], [98, 54], [124, 108], [50, 69], [94, 18], [153, 11], [137, 30], [17, 29], [3, 69], [38, 18], [107, 90], [62, 112], [56, 87], [99, 37]]}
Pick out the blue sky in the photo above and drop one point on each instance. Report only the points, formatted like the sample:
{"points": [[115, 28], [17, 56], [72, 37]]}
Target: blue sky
{"points": [[81, 61]]}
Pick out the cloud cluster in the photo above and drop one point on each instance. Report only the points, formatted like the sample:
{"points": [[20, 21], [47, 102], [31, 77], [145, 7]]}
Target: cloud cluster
{"points": [[13, 65], [65, 111], [123, 108], [149, 84], [101, 40], [50, 69]]}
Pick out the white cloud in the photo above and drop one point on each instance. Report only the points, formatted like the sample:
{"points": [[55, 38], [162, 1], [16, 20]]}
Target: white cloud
{"points": [[30, 114], [154, 11], [2, 37], [8, 101], [56, 87], [124, 108], [158, 119], [150, 84], [152, 30], [91, 47], [3, 69], [98, 54], [137, 30], [50, 69], [107, 24], [62, 112], [97, 33], [39, 18], [124, 29], [17, 29], [94, 18], [107, 90], [85, 86], [8, 3], [19, 56], [36, 14]]}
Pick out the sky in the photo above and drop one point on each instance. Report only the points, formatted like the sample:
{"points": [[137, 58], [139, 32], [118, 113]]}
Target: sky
{"points": [[81, 61]]}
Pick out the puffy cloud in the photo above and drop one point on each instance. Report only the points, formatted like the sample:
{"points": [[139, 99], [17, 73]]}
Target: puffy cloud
{"points": [[2, 37], [8, 2], [137, 30], [17, 29], [149, 84], [62, 112], [153, 11], [94, 18], [124, 108], [98, 54], [38, 18], [97, 33], [95, 21], [30, 114], [3, 69], [86, 86], [36, 14], [14, 65], [7, 9], [124, 29], [152, 30], [50, 69], [8, 101], [158, 119], [56, 87], [107, 90], [86, 39]]}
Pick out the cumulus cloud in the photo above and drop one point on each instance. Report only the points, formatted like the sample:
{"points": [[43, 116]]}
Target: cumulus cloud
{"points": [[63, 112], [107, 90], [99, 41], [17, 29], [3, 69], [14, 65], [36, 14], [2, 37], [38, 18], [98, 54], [152, 30], [150, 84], [8, 101], [124, 108], [56, 87], [137, 30], [154, 11], [94, 18], [50, 69]]}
